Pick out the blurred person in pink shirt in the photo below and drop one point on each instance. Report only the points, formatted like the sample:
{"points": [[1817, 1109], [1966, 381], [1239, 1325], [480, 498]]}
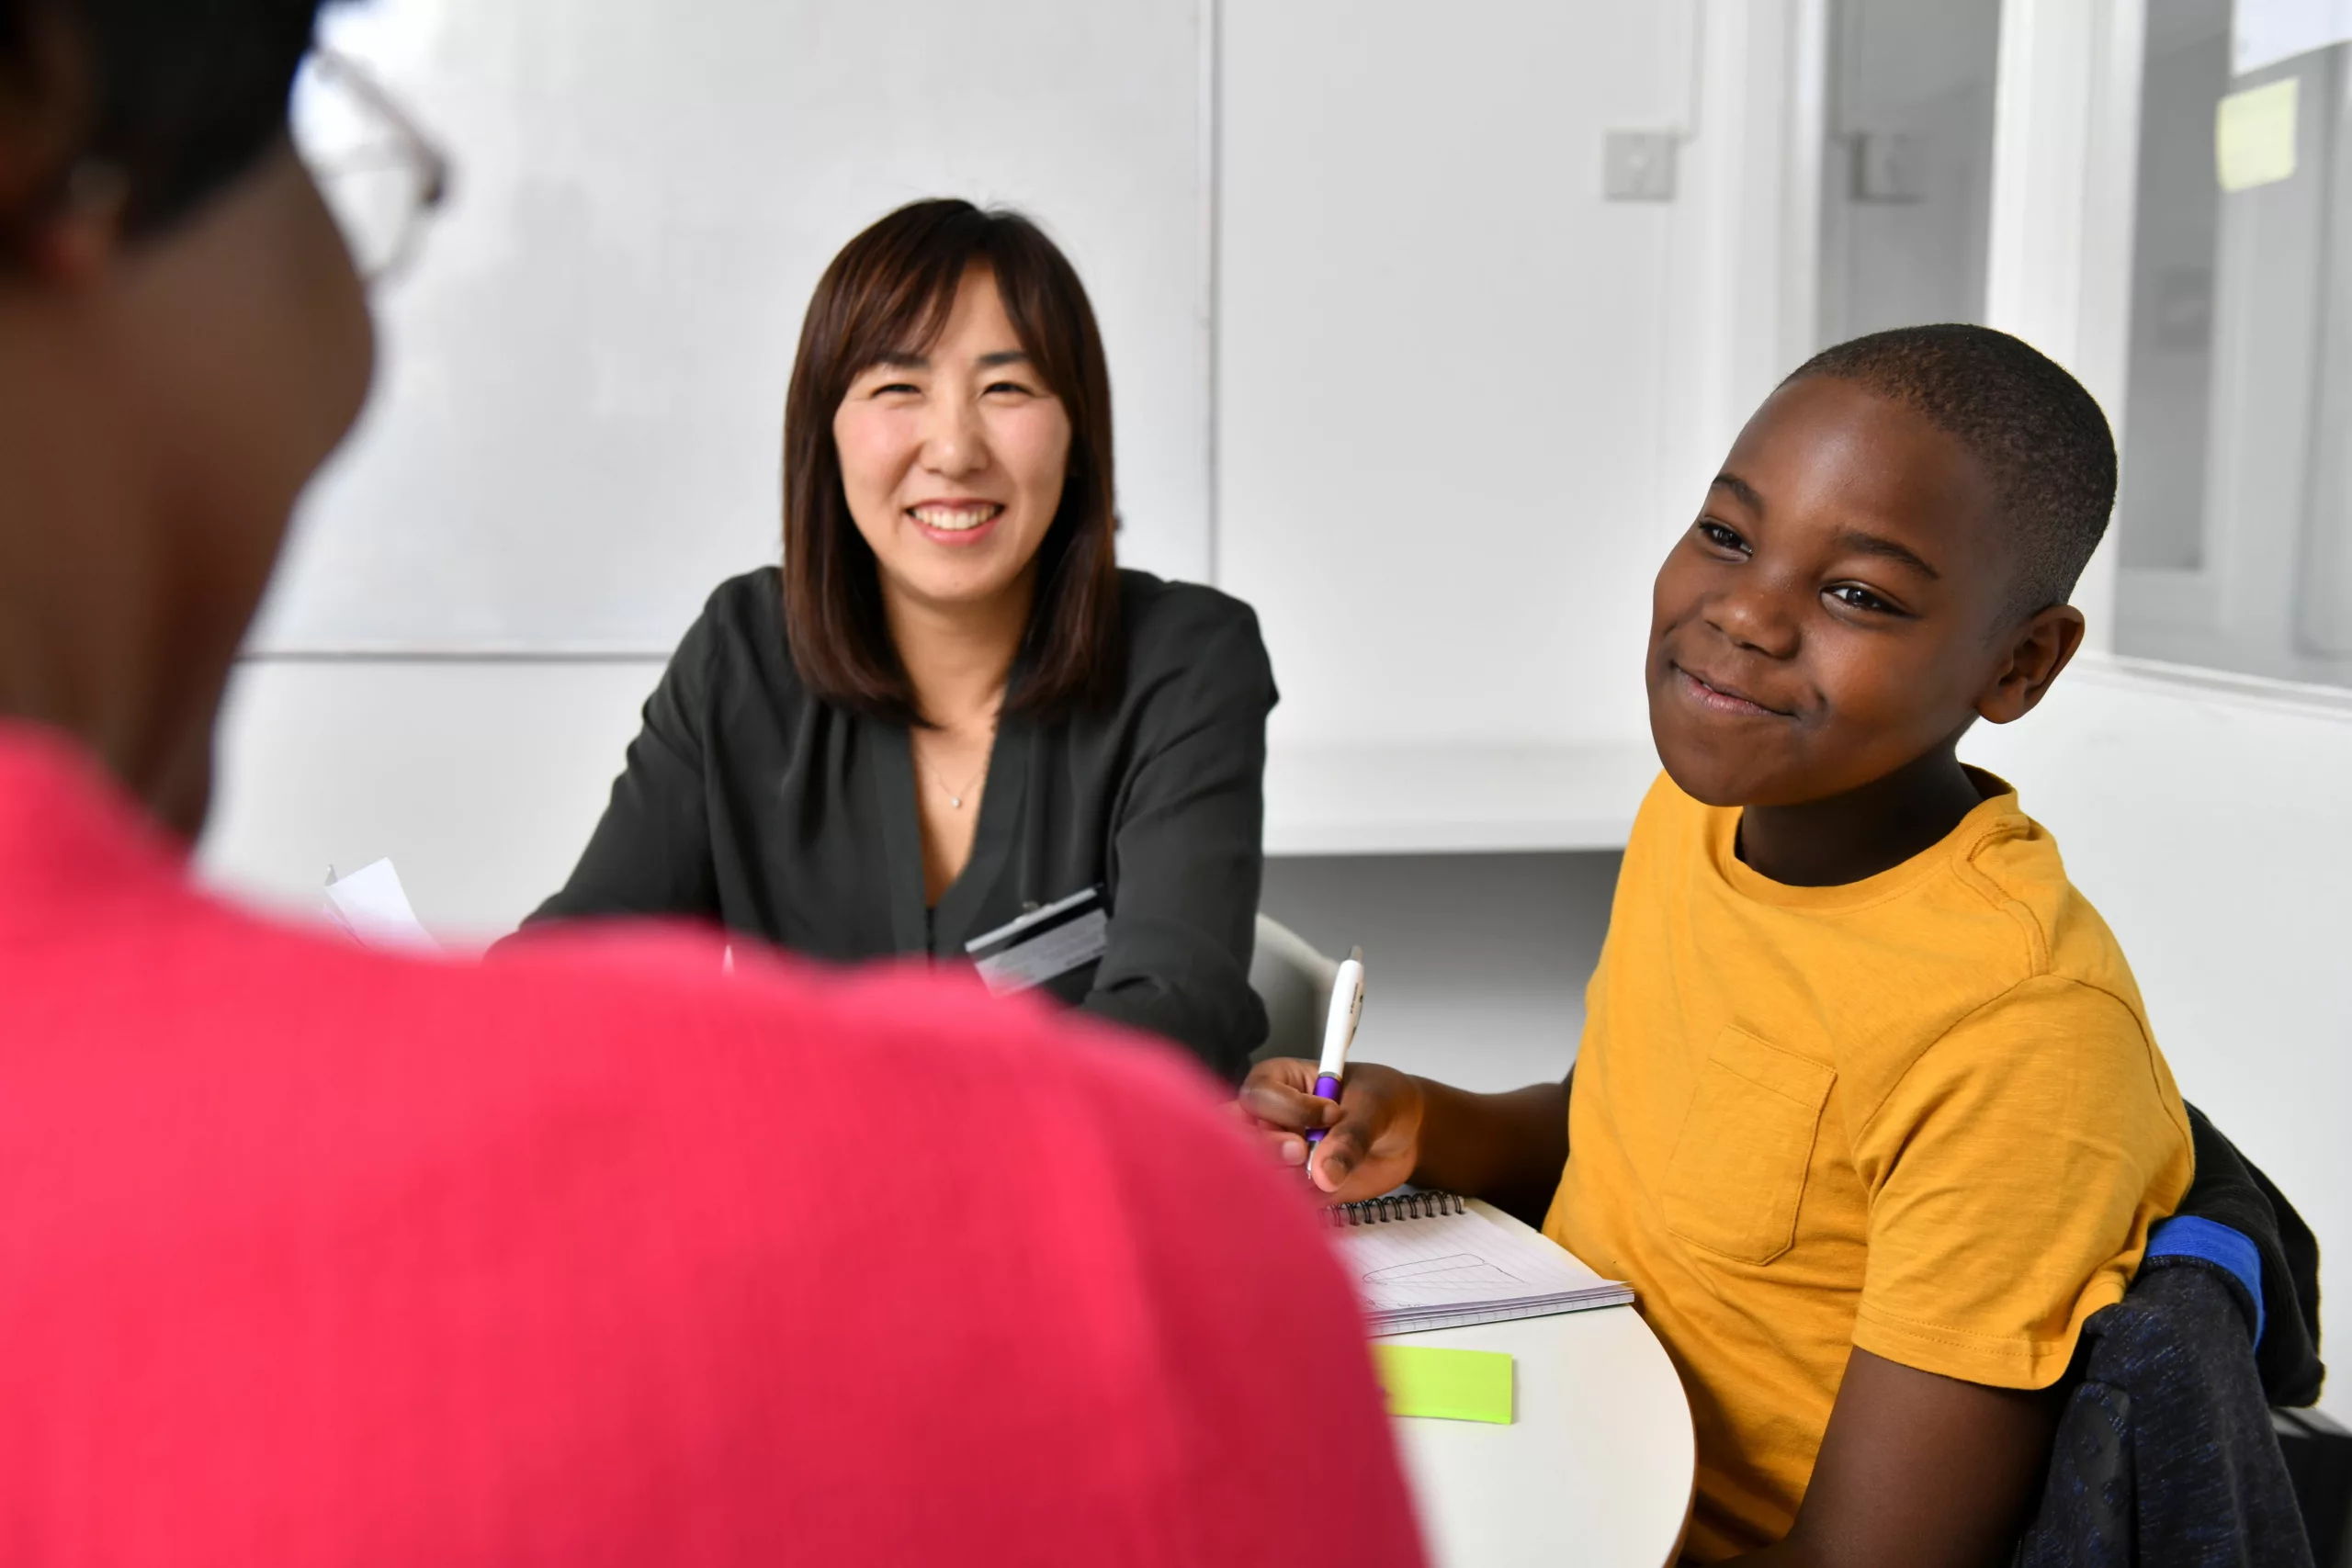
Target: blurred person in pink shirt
{"points": [[309, 1255]]}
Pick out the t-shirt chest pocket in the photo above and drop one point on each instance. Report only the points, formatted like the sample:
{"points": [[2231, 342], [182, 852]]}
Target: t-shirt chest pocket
{"points": [[1736, 1174]]}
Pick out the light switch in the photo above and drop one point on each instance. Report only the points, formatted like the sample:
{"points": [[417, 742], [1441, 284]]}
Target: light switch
{"points": [[1637, 165]]}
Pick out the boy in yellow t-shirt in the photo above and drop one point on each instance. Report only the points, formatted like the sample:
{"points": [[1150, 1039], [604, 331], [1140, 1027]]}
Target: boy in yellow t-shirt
{"points": [[1868, 1108]]}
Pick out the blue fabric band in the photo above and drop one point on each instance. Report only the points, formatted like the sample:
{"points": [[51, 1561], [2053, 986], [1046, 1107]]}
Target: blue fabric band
{"points": [[2188, 1235]]}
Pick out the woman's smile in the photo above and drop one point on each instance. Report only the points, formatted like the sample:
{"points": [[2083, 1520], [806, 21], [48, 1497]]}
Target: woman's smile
{"points": [[952, 455], [957, 523]]}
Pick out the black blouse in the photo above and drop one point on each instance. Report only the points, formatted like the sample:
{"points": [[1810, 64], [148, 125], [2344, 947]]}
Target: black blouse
{"points": [[749, 802]]}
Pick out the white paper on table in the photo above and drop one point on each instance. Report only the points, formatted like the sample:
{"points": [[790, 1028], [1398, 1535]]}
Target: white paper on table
{"points": [[2264, 32], [373, 910], [1442, 1260]]}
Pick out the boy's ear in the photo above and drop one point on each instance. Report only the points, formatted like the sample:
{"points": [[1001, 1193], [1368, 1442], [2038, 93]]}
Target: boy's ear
{"points": [[2032, 657], [74, 240], [60, 217]]}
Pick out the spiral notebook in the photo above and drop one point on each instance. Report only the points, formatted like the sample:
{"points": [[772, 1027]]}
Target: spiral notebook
{"points": [[1429, 1260]]}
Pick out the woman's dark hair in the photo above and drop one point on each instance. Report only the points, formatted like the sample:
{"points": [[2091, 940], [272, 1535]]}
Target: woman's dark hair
{"points": [[179, 96], [890, 291]]}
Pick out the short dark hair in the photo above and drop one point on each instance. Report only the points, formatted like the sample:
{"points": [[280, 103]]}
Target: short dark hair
{"points": [[2038, 434], [183, 96], [890, 291]]}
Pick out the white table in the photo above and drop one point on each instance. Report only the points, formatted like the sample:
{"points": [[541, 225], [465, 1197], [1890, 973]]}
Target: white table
{"points": [[1595, 1466]]}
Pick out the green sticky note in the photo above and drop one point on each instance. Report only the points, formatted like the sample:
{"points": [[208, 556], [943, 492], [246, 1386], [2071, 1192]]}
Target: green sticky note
{"points": [[1458, 1385]]}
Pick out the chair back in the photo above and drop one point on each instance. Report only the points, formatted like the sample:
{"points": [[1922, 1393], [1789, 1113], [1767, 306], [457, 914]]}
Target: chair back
{"points": [[2165, 1453], [1295, 982]]}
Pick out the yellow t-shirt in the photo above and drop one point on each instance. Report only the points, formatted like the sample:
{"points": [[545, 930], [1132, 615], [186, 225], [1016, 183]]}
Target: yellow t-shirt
{"points": [[1922, 1113]]}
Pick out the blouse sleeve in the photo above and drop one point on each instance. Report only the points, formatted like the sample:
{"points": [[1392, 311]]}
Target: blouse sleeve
{"points": [[1187, 858], [650, 854]]}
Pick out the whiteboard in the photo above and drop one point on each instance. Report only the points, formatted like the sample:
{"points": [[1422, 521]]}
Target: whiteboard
{"points": [[576, 427]]}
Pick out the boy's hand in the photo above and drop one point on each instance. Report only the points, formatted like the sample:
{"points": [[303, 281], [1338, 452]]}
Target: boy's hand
{"points": [[1373, 1140]]}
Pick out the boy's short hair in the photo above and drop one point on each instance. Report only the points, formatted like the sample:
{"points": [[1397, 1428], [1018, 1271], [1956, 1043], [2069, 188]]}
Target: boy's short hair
{"points": [[2041, 436], [184, 96]]}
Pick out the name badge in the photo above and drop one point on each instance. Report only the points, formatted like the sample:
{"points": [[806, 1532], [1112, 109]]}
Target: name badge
{"points": [[1043, 943]]}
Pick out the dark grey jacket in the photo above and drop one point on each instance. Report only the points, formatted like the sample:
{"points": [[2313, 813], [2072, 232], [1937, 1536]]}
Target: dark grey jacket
{"points": [[747, 802], [2165, 1455]]}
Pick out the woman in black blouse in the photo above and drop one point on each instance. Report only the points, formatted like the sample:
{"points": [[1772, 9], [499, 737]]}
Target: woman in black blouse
{"points": [[950, 707]]}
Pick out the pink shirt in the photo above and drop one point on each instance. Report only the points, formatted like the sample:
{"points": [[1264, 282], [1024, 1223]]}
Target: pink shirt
{"points": [[313, 1256]]}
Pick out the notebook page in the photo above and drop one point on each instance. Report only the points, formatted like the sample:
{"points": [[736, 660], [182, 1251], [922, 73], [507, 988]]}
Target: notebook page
{"points": [[1452, 1261]]}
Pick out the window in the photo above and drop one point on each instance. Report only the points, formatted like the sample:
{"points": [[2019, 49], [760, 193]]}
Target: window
{"points": [[1907, 170], [2233, 530]]}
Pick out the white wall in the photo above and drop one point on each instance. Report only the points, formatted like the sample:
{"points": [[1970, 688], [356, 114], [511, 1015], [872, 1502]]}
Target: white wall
{"points": [[481, 780], [574, 433], [1442, 375]]}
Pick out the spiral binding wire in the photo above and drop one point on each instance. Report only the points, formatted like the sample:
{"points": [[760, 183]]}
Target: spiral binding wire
{"points": [[1395, 1206]]}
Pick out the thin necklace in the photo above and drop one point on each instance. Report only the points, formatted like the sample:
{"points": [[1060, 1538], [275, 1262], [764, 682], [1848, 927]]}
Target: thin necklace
{"points": [[955, 796]]}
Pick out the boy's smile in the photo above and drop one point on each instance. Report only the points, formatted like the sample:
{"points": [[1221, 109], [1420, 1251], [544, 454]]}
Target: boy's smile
{"points": [[1833, 616], [1720, 695]]}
